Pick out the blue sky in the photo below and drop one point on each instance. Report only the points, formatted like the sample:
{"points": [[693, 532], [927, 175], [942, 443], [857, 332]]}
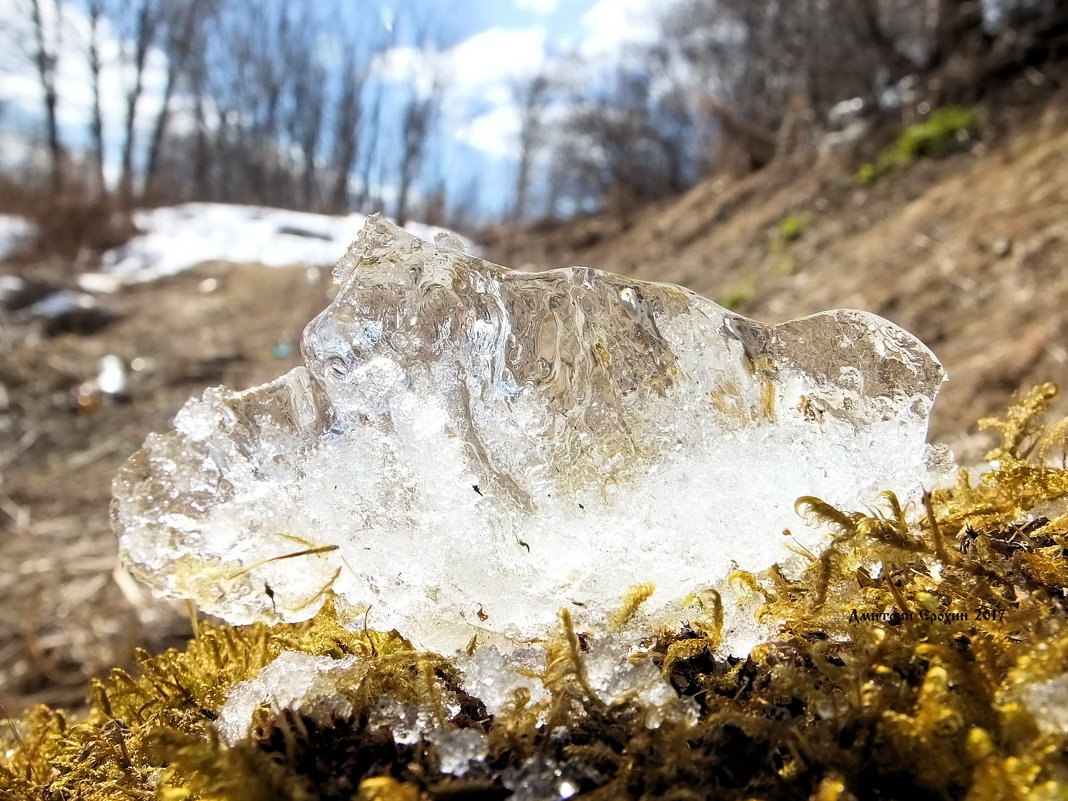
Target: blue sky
{"points": [[489, 45]]}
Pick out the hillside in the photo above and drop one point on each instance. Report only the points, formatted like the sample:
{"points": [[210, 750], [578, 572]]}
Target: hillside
{"points": [[968, 251]]}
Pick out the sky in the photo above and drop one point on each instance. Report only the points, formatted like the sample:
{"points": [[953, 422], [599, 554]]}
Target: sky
{"points": [[485, 46], [509, 40]]}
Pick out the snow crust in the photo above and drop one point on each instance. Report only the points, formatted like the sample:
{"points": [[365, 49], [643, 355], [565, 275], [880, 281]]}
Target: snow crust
{"points": [[15, 232], [295, 681], [175, 238]]}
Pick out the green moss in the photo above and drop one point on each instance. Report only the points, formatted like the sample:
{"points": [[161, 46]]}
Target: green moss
{"points": [[738, 294], [784, 267], [793, 226], [789, 229], [901, 667], [940, 132]]}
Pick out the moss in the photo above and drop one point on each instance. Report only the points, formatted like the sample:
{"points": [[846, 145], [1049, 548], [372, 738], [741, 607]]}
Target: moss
{"points": [[787, 231], [784, 267], [940, 132], [901, 668], [793, 226], [738, 294]]}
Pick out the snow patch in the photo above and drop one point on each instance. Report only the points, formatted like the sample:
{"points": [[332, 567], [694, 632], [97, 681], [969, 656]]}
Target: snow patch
{"points": [[15, 232], [176, 238]]}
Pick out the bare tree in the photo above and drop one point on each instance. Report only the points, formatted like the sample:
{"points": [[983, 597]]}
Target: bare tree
{"points": [[95, 13], [47, 46], [248, 75], [307, 103], [346, 130], [183, 23], [530, 96], [417, 124], [372, 158], [371, 150], [142, 21], [625, 143], [969, 52]]}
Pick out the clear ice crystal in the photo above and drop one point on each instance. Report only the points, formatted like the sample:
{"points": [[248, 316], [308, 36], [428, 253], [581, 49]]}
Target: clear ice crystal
{"points": [[293, 680], [1047, 701], [493, 676], [541, 778], [617, 677], [470, 449], [459, 749]]}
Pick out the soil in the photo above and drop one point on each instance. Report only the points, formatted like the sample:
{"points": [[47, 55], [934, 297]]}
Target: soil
{"points": [[969, 252]]}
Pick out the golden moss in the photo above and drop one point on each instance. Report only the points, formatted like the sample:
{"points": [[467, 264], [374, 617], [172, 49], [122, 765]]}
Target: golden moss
{"points": [[906, 664], [112, 753]]}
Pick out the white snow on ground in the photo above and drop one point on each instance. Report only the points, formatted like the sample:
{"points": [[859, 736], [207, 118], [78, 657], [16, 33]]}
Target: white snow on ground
{"points": [[176, 238], [14, 232]]}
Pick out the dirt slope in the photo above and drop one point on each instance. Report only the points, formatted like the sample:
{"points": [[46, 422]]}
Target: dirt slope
{"points": [[969, 252]]}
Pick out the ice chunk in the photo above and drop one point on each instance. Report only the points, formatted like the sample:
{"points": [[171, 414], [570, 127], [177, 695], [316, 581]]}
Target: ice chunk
{"points": [[406, 722], [617, 678], [1047, 701], [540, 779], [470, 449], [459, 748], [493, 676], [293, 680]]}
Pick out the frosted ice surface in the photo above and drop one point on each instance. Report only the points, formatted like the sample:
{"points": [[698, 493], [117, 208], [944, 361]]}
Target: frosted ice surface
{"points": [[459, 748], [293, 680], [1047, 701], [470, 449], [493, 676]]}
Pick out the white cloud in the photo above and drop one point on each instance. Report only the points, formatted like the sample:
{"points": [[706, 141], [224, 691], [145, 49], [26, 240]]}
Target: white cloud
{"points": [[542, 7], [614, 25], [497, 55], [490, 59], [408, 65], [495, 132], [479, 74], [481, 71], [484, 69]]}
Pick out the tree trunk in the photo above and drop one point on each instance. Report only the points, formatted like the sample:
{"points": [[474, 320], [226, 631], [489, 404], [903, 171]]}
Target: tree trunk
{"points": [[874, 32], [181, 43], [530, 98], [960, 46], [96, 123], [416, 132], [345, 136], [45, 61], [142, 41], [365, 197]]}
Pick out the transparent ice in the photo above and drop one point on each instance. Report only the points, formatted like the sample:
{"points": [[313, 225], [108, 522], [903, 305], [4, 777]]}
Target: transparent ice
{"points": [[459, 749], [292, 681], [1047, 701], [493, 676], [470, 449]]}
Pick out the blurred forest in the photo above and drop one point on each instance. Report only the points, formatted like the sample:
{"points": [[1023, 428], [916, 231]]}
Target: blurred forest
{"points": [[263, 101], [280, 102]]}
